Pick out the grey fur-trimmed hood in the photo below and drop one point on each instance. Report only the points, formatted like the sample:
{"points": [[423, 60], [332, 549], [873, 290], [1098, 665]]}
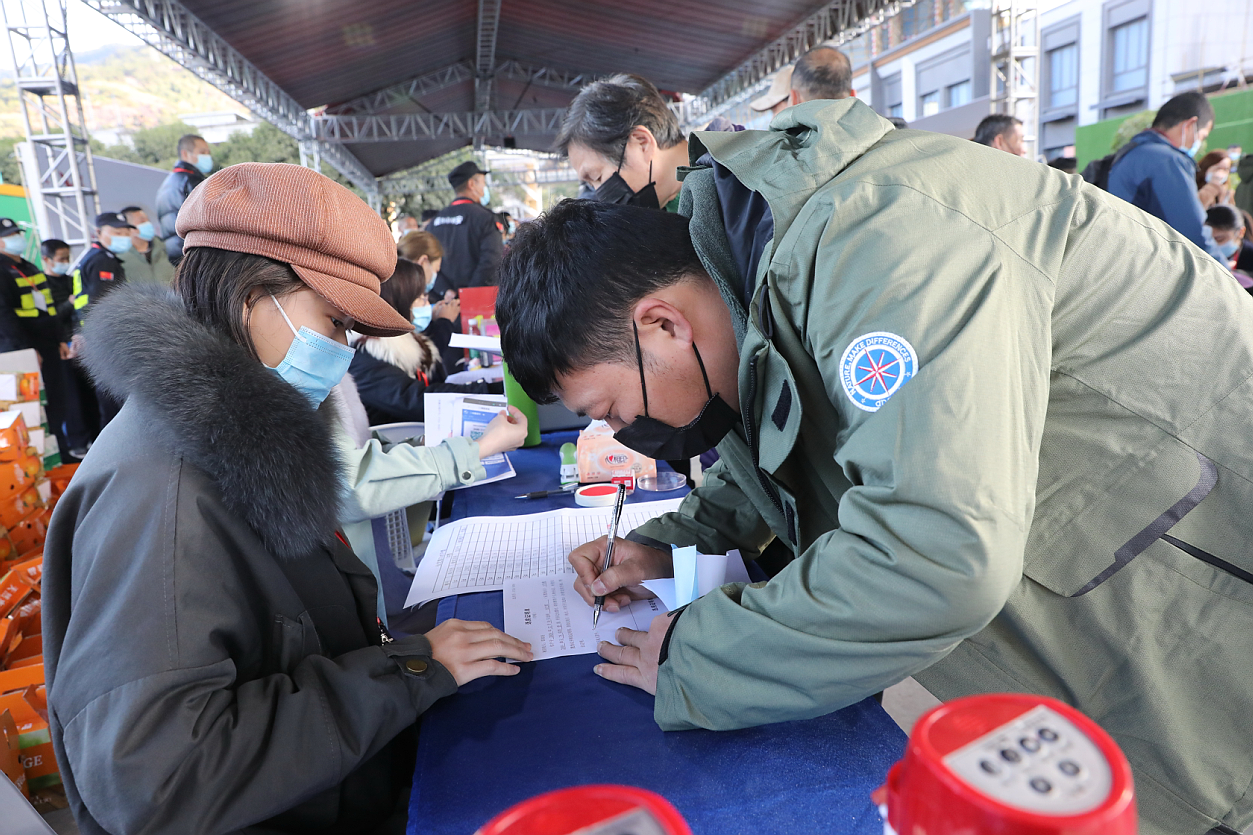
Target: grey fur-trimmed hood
{"points": [[255, 436]]}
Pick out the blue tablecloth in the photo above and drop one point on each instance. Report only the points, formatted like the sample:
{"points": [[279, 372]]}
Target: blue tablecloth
{"points": [[502, 740]]}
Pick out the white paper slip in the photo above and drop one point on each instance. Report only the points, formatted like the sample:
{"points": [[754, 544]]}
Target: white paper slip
{"points": [[482, 553], [696, 575], [491, 344], [548, 613]]}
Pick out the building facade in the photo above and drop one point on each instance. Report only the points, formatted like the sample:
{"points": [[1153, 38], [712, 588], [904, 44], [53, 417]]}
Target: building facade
{"points": [[931, 65]]}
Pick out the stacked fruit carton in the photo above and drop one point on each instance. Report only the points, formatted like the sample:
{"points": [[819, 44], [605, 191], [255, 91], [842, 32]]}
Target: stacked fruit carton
{"points": [[28, 493]]}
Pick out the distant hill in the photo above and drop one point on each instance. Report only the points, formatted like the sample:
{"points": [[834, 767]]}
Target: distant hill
{"points": [[126, 88]]}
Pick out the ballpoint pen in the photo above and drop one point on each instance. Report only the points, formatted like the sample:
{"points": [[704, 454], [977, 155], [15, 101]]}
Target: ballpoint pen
{"points": [[543, 494], [599, 603]]}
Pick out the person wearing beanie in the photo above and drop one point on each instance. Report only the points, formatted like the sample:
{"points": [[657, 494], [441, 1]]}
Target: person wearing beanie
{"points": [[214, 657]]}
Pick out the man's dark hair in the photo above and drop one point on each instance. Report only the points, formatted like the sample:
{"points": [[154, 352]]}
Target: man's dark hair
{"points": [[49, 247], [1223, 217], [998, 124], [604, 113], [823, 73], [187, 142], [1182, 108], [571, 279], [1067, 164], [221, 287], [126, 213]]}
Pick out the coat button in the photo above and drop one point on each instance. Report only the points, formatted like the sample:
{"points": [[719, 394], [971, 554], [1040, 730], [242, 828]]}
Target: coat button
{"points": [[467, 476], [415, 665]]}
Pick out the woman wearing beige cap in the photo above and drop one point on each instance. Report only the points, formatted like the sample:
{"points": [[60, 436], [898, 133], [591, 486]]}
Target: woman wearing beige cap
{"points": [[213, 655]]}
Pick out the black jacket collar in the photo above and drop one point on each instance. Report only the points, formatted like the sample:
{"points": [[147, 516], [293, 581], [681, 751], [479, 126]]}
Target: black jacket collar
{"points": [[271, 455]]}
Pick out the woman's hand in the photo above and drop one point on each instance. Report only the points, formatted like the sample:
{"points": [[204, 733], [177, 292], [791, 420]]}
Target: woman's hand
{"points": [[470, 649], [507, 431], [448, 309]]}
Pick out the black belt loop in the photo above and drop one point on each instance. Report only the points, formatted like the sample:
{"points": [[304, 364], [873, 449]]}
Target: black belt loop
{"points": [[1159, 526]]}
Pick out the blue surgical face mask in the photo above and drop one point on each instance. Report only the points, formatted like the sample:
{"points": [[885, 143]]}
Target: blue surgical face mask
{"points": [[422, 317], [204, 162], [314, 363], [58, 267], [1230, 248], [487, 196], [15, 244], [430, 285], [119, 244], [146, 230], [1194, 147]]}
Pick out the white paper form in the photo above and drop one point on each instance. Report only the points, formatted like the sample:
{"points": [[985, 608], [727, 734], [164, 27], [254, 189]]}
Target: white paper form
{"points": [[548, 613], [482, 553]]}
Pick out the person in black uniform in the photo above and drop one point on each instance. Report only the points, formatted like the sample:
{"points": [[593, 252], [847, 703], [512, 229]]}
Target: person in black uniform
{"points": [[472, 243], [98, 272], [82, 412], [28, 320]]}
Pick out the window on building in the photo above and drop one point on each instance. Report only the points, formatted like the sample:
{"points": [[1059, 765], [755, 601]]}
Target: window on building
{"points": [[957, 94], [1130, 55], [1063, 75], [929, 103], [897, 110]]}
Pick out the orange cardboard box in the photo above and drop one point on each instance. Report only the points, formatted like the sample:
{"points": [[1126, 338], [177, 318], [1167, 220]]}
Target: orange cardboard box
{"points": [[14, 588], [13, 478], [33, 661], [29, 534], [28, 617], [35, 739], [31, 645], [60, 477], [14, 438], [31, 567], [9, 632], [11, 753], [13, 510], [20, 679]]}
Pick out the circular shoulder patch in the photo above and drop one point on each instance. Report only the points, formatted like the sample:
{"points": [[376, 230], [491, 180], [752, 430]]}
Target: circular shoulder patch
{"points": [[874, 367]]}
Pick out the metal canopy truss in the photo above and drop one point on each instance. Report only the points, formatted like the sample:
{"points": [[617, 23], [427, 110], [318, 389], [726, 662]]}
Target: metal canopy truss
{"points": [[57, 166], [414, 126], [431, 82], [485, 61], [1016, 66], [172, 30], [425, 183], [839, 21]]}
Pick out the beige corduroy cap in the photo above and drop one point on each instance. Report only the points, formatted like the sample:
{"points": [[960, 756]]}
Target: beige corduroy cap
{"points": [[334, 242], [779, 90]]}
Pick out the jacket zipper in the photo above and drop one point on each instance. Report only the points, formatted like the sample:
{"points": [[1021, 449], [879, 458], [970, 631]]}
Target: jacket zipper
{"points": [[750, 431]]}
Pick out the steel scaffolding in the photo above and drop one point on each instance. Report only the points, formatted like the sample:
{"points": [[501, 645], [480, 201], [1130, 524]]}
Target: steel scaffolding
{"points": [[56, 162], [1016, 66]]}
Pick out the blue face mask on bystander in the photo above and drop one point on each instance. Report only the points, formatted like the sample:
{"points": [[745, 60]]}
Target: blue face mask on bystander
{"points": [[119, 243], [1230, 248], [422, 317], [146, 230], [314, 363]]}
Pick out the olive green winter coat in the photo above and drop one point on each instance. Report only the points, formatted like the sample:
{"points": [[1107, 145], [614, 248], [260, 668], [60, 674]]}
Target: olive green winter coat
{"points": [[1059, 499]]}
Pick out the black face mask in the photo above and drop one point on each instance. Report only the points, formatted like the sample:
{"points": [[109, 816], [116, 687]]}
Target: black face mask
{"points": [[616, 190], [658, 440]]}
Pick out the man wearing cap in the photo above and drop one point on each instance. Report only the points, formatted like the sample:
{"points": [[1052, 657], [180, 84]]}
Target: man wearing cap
{"points": [[778, 97], [213, 651], [98, 272], [468, 232], [28, 320]]}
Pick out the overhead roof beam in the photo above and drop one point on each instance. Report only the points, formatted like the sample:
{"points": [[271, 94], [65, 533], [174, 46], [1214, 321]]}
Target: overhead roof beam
{"points": [[415, 126], [485, 61], [837, 21], [411, 90], [432, 82], [172, 30]]}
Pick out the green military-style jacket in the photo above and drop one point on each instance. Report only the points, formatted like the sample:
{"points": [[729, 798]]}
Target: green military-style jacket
{"points": [[1002, 419]]}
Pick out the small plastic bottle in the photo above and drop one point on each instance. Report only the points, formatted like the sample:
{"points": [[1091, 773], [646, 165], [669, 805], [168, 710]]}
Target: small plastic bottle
{"points": [[569, 465]]}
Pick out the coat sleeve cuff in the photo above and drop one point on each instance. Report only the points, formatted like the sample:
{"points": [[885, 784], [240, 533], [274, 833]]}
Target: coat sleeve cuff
{"points": [[427, 679], [467, 468]]}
